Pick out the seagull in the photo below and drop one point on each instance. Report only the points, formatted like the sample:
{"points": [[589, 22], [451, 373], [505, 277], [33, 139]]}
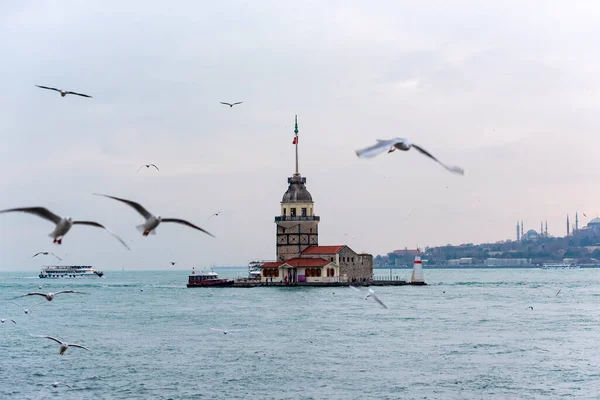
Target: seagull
{"points": [[63, 225], [63, 93], [27, 310], [215, 215], [230, 104], [152, 221], [584, 215], [148, 166], [371, 294], [224, 331], [173, 263], [529, 308], [49, 296], [55, 385], [558, 292], [46, 253], [3, 320], [401, 144], [63, 345]]}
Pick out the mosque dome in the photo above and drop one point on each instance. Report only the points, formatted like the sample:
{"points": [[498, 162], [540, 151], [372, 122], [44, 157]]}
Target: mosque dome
{"points": [[594, 222], [297, 192]]}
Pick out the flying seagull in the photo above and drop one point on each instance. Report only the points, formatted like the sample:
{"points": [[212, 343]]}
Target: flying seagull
{"points": [[26, 310], [215, 215], [63, 345], [63, 225], [224, 331], [401, 144], [3, 320], [173, 263], [55, 385], [230, 104], [46, 253], [152, 221], [49, 296], [148, 166], [63, 93], [529, 308], [371, 294]]}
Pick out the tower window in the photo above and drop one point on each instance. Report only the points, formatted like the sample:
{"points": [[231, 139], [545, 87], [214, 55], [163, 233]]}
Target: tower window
{"points": [[284, 211], [304, 212], [292, 212]]}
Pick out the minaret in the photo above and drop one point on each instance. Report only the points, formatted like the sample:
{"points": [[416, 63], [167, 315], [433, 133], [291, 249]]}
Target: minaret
{"points": [[576, 221], [568, 225], [521, 229], [541, 229], [297, 226], [518, 232], [546, 233]]}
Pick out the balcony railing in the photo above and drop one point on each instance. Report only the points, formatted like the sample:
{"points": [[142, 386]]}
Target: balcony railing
{"points": [[288, 218]]}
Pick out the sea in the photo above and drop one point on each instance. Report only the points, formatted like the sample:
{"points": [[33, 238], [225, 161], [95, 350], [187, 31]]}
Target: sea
{"points": [[468, 334]]}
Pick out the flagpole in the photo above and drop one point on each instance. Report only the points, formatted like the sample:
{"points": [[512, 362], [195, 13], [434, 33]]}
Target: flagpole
{"points": [[296, 134]]}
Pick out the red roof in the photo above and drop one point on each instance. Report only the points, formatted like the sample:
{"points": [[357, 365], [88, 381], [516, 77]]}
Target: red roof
{"points": [[271, 264], [307, 262], [323, 249]]}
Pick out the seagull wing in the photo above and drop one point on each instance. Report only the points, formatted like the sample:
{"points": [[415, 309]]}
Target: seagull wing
{"points": [[32, 294], [92, 223], [51, 338], [377, 299], [355, 288], [59, 259], [36, 304], [138, 207], [226, 104], [68, 291], [37, 254], [380, 147], [140, 168], [13, 321], [17, 304], [456, 170], [49, 88], [183, 222], [79, 346], [39, 211], [239, 102], [155, 167], [79, 94], [217, 329]]}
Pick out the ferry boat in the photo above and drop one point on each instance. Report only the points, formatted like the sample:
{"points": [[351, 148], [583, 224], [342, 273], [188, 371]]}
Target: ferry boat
{"points": [[70, 271], [559, 266], [207, 279]]}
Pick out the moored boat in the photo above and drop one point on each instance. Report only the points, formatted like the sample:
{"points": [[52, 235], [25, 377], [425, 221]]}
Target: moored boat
{"points": [[207, 279]]}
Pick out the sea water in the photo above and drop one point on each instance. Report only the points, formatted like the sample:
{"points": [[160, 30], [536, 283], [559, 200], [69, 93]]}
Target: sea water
{"points": [[469, 334]]}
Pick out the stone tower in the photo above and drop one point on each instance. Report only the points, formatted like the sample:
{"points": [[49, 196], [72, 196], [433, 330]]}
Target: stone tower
{"points": [[297, 224]]}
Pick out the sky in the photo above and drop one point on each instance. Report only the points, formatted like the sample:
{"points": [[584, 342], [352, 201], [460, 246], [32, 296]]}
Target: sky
{"points": [[506, 90]]}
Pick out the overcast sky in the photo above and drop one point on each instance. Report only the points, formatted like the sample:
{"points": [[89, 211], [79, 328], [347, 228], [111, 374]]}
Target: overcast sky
{"points": [[506, 90]]}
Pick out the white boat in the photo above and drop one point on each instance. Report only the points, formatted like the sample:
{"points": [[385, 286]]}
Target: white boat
{"points": [[559, 266], [70, 271]]}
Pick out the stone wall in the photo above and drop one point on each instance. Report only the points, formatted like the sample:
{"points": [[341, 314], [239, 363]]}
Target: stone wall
{"points": [[355, 267]]}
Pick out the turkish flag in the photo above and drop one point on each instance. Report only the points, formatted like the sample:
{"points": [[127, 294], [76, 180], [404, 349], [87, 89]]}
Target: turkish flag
{"points": [[295, 141]]}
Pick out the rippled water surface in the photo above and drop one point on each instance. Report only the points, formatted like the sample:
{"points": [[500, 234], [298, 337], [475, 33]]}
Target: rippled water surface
{"points": [[467, 335]]}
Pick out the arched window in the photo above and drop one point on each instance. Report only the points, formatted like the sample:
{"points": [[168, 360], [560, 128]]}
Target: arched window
{"points": [[332, 272]]}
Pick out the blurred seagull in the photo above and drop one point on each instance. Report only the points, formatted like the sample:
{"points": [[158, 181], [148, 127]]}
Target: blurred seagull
{"points": [[401, 144], [46, 253], [63, 225], [3, 320], [230, 104], [152, 221], [529, 308], [63, 345], [54, 385], [26, 310], [558, 292], [371, 294], [63, 93], [173, 263], [148, 166], [49, 296], [215, 215], [224, 331]]}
